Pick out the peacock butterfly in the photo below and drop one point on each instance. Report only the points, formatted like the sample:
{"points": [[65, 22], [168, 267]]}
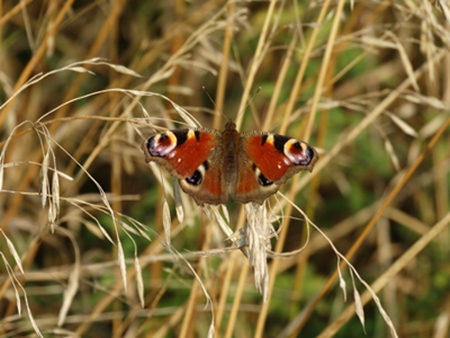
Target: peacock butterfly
{"points": [[211, 165]]}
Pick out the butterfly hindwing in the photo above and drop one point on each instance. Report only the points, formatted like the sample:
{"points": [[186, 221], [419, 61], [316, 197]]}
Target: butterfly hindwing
{"points": [[248, 187], [210, 187]]}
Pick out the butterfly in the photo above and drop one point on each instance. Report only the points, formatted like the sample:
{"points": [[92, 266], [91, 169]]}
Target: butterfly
{"points": [[212, 165]]}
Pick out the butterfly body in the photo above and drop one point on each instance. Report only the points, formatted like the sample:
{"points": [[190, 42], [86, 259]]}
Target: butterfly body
{"points": [[212, 165]]}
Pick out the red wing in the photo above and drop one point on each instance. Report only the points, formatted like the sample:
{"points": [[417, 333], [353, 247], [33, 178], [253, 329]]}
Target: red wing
{"points": [[248, 187], [182, 151], [211, 187], [191, 156], [278, 157], [205, 170]]}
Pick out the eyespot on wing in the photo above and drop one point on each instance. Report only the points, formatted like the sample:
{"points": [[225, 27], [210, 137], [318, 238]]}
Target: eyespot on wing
{"points": [[181, 151], [279, 157]]}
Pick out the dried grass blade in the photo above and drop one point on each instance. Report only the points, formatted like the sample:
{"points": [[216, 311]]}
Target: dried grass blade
{"points": [[222, 223], [376, 42], [178, 201], [5, 146], [122, 263], [13, 252], [2, 169], [225, 213], [167, 223], [13, 279], [342, 283], [431, 101], [122, 69], [257, 233], [443, 6], [430, 128], [359, 309], [407, 129], [69, 293], [81, 70], [405, 61], [44, 178], [55, 192], [139, 280], [30, 314], [73, 280], [392, 155], [94, 229], [15, 283]]}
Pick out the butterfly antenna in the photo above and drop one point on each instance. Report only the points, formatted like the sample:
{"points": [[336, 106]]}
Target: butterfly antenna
{"points": [[214, 104], [249, 102]]}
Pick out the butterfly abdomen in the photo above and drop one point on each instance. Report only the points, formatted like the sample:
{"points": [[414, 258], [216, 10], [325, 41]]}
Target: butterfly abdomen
{"points": [[229, 160]]}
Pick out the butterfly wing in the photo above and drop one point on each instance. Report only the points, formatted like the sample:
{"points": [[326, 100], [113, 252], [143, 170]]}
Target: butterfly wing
{"points": [[187, 154], [267, 161], [211, 187], [247, 187], [250, 166]]}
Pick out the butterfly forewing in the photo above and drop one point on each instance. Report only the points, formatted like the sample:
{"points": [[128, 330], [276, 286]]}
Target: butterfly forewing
{"points": [[279, 157], [181, 151]]}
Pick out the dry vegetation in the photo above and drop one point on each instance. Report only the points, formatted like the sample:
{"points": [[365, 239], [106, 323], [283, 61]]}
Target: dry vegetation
{"points": [[92, 243]]}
